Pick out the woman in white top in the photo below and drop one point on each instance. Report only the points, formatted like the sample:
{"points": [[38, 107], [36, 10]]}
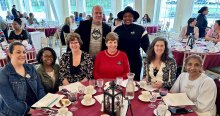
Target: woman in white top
{"points": [[190, 28], [200, 89]]}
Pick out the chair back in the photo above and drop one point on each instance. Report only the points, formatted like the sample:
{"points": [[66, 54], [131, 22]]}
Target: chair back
{"points": [[31, 57], [3, 62], [217, 82], [186, 54]]}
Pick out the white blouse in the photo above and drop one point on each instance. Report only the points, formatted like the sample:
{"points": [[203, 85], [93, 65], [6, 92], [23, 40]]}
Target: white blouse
{"points": [[202, 92], [159, 75]]}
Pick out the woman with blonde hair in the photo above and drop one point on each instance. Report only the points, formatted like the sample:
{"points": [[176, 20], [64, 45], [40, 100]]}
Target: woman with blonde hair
{"points": [[65, 30]]}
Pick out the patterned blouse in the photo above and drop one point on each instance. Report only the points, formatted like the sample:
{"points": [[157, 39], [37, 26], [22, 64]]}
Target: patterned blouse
{"points": [[166, 73], [83, 70]]}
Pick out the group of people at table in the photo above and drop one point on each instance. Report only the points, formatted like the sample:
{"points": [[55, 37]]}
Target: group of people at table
{"points": [[96, 52]]}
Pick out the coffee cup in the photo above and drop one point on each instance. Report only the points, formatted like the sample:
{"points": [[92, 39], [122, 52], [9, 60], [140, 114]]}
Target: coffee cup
{"points": [[145, 95], [89, 89], [162, 109], [63, 111], [87, 98]]}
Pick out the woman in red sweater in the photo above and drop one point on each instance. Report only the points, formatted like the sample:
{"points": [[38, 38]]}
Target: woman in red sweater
{"points": [[111, 63]]}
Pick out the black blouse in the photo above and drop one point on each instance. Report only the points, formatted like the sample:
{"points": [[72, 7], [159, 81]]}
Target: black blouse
{"points": [[22, 36]]}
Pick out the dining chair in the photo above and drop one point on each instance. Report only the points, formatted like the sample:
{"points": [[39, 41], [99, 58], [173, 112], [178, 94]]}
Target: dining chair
{"points": [[214, 71], [31, 57], [62, 47], [3, 62], [187, 53], [217, 82]]}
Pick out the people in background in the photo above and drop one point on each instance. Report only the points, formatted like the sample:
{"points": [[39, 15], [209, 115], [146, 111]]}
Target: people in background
{"points": [[131, 38], [75, 65], [9, 16], [93, 32], [32, 20], [14, 12], [190, 29], [117, 22], [20, 85], [23, 20], [111, 18], [73, 24], [80, 17], [214, 34], [48, 69], [202, 22], [65, 30], [111, 63], [25, 16], [200, 89], [88, 17], [146, 19], [76, 14], [159, 67], [103, 18], [4, 27], [18, 34]]}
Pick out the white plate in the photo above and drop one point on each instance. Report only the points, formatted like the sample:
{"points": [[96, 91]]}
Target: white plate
{"points": [[68, 114], [140, 97], [91, 103], [58, 104], [167, 113], [93, 92]]}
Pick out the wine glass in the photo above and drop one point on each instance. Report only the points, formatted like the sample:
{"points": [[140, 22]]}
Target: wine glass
{"points": [[119, 80], [73, 98], [92, 82], [153, 100], [100, 83], [143, 83], [81, 90], [162, 92]]}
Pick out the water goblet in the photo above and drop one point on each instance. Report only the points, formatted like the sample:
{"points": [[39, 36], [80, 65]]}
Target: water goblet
{"points": [[92, 82], [100, 83], [81, 90], [73, 98], [153, 100], [119, 80], [143, 83], [162, 92]]}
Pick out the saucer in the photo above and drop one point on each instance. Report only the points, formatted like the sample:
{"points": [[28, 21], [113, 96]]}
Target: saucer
{"points": [[68, 114], [58, 104], [140, 97], [91, 103], [92, 93], [167, 113]]}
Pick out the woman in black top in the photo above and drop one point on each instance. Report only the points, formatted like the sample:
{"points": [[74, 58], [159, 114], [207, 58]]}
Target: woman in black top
{"points": [[65, 30], [18, 33], [202, 22]]}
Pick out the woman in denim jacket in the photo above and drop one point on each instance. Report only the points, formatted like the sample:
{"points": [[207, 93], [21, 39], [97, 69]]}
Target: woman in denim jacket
{"points": [[20, 85]]}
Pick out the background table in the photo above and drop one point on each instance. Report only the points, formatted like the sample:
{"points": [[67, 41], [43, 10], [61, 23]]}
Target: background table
{"points": [[49, 31], [152, 28], [139, 108]]}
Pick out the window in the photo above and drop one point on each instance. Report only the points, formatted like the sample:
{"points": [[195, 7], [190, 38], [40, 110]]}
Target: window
{"points": [[38, 8], [128, 3], [214, 10], [4, 5], [106, 4], [72, 6], [167, 13], [24, 5]]}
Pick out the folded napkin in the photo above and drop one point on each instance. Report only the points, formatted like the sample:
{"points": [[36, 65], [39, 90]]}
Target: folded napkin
{"points": [[71, 87], [177, 99], [48, 100]]}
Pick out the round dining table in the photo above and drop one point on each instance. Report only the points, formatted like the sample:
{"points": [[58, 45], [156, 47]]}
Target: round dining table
{"points": [[49, 31], [139, 108]]}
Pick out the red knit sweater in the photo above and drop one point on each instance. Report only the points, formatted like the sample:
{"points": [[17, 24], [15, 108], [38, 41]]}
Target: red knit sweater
{"points": [[111, 66]]}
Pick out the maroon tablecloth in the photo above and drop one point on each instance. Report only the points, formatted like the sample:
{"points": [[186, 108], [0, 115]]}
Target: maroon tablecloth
{"points": [[49, 31], [211, 60], [152, 29], [139, 108]]}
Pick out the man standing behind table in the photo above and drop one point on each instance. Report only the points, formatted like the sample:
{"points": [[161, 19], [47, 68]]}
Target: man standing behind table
{"points": [[14, 12], [93, 32]]}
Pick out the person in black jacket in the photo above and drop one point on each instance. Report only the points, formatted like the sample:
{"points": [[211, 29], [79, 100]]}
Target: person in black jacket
{"points": [[131, 38], [202, 22], [93, 32], [14, 12]]}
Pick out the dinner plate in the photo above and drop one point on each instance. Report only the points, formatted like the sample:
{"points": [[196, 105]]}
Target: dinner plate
{"points": [[93, 92], [59, 105], [91, 103], [167, 113], [140, 97]]}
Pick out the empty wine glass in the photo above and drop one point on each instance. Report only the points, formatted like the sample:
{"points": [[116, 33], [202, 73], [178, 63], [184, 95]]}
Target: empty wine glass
{"points": [[143, 83], [162, 92], [81, 90], [73, 98], [153, 100], [119, 80], [92, 82], [100, 83]]}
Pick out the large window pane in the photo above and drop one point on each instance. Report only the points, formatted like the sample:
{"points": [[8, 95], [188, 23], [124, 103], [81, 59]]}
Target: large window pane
{"points": [[167, 13], [38, 8], [106, 4], [128, 3], [4, 5], [213, 6], [73, 6]]}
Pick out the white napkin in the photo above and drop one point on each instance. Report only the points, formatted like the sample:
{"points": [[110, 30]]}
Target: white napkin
{"points": [[71, 87], [99, 98], [177, 99], [48, 100]]}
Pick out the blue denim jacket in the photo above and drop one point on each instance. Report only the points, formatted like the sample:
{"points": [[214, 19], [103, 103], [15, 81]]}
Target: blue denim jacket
{"points": [[13, 90]]}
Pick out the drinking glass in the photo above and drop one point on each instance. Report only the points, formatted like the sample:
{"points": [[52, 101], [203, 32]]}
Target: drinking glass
{"points": [[153, 100], [143, 83], [73, 98], [119, 80], [92, 82], [100, 83], [81, 90], [162, 92]]}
